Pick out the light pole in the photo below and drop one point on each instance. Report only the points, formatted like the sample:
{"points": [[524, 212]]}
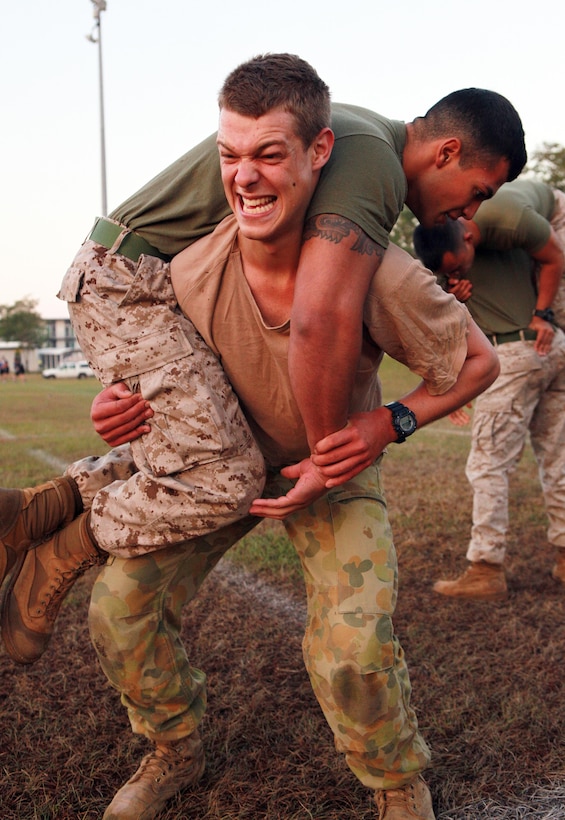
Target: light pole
{"points": [[96, 37]]}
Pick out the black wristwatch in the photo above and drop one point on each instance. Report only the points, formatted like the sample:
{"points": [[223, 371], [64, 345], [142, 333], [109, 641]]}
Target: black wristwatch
{"points": [[546, 314], [403, 420]]}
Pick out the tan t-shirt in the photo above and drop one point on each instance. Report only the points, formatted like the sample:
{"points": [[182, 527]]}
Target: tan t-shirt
{"points": [[407, 315]]}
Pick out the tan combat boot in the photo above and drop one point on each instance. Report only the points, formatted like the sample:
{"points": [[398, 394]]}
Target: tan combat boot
{"points": [[164, 772], [412, 802], [38, 586], [558, 571], [29, 516], [479, 582]]}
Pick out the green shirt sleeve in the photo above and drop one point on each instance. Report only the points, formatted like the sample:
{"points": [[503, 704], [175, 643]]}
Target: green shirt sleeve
{"points": [[363, 182], [181, 204]]}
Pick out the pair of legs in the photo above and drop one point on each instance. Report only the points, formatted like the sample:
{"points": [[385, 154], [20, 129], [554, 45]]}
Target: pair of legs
{"points": [[527, 398], [199, 467], [354, 660]]}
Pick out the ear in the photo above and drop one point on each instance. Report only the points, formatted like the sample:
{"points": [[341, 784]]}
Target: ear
{"points": [[322, 147], [472, 233], [448, 150]]}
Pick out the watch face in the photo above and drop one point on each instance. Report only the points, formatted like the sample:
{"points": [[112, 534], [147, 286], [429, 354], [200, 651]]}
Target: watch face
{"points": [[403, 420], [407, 424]]}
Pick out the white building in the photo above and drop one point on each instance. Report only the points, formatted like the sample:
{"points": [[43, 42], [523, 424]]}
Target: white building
{"points": [[61, 345]]}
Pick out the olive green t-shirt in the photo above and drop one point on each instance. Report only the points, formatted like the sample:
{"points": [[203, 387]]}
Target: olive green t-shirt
{"points": [[517, 216], [503, 297], [363, 182]]}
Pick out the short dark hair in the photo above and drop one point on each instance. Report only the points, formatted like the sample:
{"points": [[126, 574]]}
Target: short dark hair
{"points": [[285, 81], [431, 244], [487, 124]]}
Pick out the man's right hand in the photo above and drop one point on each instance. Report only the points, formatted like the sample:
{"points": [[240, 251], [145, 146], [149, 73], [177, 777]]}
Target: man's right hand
{"points": [[119, 416], [310, 486]]}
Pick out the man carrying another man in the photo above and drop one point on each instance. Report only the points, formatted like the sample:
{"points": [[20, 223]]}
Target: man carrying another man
{"points": [[128, 324], [386, 752], [507, 264]]}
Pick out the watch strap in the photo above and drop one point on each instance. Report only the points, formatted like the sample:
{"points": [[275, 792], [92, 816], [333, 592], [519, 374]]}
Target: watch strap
{"points": [[546, 314], [403, 420]]}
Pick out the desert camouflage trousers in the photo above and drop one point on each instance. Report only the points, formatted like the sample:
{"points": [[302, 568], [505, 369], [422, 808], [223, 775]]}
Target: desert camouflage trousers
{"points": [[199, 468], [528, 397], [558, 225], [355, 662]]}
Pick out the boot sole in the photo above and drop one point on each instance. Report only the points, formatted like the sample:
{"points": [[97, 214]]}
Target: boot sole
{"points": [[493, 596]]}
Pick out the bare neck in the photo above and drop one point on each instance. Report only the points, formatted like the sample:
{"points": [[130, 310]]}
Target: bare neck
{"points": [[270, 271]]}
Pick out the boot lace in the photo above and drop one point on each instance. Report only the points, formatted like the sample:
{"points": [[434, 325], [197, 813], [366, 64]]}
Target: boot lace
{"points": [[61, 583]]}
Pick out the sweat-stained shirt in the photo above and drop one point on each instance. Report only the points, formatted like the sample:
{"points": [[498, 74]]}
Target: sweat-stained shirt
{"points": [[407, 315]]}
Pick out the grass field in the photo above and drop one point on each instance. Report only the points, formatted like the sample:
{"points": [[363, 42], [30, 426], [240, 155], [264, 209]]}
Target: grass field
{"points": [[488, 679]]}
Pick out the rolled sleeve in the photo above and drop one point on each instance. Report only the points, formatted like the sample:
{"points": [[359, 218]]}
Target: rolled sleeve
{"points": [[415, 322]]}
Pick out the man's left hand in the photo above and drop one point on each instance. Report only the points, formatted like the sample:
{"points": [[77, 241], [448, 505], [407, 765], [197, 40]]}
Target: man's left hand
{"points": [[120, 416], [342, 455], [545, 335], [462, 289]]}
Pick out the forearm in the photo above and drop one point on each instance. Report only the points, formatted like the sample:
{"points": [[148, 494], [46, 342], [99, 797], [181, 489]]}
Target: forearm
{"points": [[551, 262], [336, 266], [479, 370], [343, 454], [549, 279], [322, 363]]}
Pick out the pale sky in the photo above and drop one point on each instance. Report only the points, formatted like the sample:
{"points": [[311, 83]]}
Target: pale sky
{"points": [[164, 61]]}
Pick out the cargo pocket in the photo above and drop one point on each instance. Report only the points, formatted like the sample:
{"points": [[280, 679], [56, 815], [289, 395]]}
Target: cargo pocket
{"points": [[186, 428], [71, 284], [366, 557]]}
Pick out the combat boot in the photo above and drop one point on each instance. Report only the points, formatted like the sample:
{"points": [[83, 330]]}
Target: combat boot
{"points": [[39, 584], [558, 571], [412, 802], [479, 582], [164, 772], [32, 515]]}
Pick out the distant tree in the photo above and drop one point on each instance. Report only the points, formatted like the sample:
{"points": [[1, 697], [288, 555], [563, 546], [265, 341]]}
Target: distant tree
{"points": [[548, 164], [22, 323], [403, 230]]}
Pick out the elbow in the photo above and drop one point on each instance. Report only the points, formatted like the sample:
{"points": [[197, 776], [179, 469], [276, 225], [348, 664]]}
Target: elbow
{"points": [[318, 322]]}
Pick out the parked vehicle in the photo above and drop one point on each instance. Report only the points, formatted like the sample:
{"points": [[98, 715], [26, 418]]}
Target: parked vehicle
{"points": [[69, 370]]}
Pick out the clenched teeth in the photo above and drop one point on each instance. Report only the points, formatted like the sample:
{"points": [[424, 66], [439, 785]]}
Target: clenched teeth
{"points": [[259, 205]]}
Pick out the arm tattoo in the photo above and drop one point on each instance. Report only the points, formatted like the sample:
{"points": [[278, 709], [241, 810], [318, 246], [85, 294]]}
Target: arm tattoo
{"points": [[335, 228]]}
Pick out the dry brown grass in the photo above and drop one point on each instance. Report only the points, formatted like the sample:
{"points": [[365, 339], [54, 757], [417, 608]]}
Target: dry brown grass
{"points": [[488, 681]]}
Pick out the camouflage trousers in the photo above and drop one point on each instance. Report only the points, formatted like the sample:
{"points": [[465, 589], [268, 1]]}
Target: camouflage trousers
{"points": [[558, 225], [355, 662], [199, 468], [528, 397]]}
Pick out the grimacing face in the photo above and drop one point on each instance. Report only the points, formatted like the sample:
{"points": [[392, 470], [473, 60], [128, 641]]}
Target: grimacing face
{"points": [[268, 174]]}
